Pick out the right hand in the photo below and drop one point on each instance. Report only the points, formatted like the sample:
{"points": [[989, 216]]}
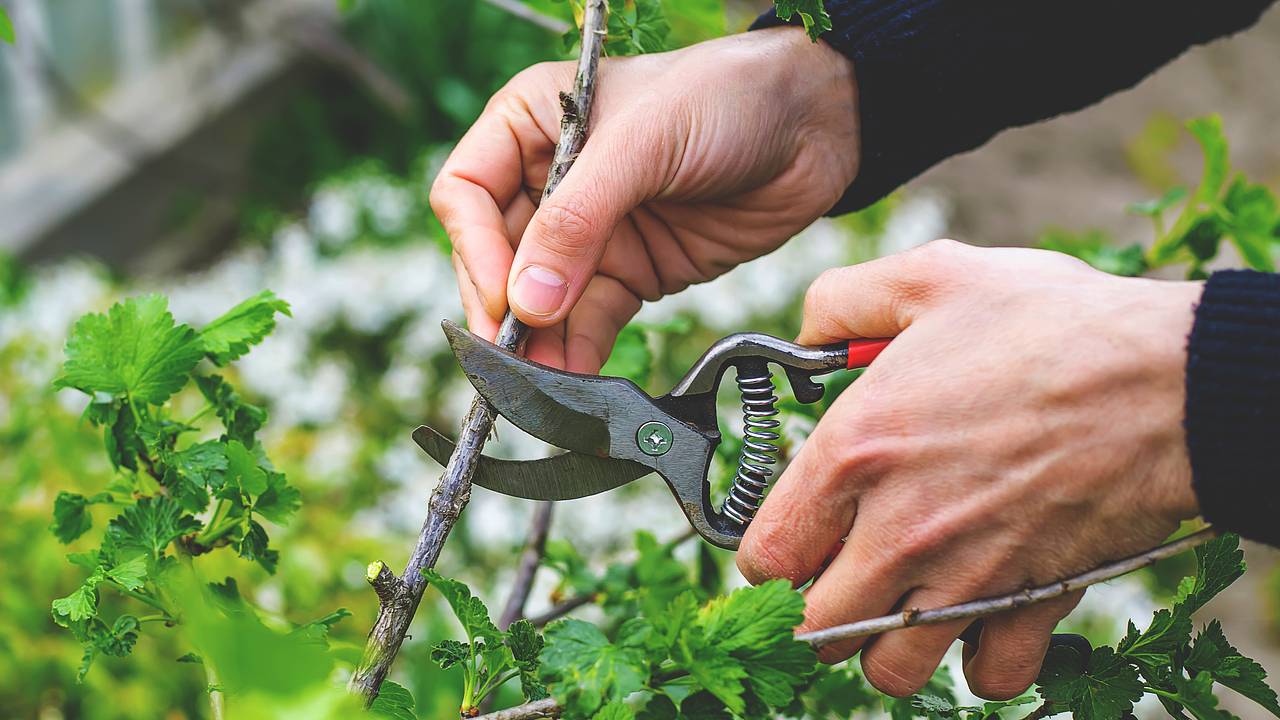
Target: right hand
{"points": [[697, 160]]}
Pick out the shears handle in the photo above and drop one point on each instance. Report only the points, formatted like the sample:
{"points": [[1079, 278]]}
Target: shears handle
{"points": [[861, 352]]}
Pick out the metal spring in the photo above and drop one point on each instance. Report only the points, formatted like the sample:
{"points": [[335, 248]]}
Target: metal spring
{"points": [[759, 444]]}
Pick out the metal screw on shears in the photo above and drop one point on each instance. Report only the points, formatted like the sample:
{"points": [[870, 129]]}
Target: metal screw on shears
{"points": [[653, 438]]}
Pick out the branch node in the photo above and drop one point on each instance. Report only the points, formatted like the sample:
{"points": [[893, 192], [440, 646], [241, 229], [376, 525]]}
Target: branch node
{"points": [[384, 582]]}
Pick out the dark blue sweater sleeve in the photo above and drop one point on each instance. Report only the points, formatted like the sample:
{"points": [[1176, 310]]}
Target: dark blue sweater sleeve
{"points": [[940, 77]]}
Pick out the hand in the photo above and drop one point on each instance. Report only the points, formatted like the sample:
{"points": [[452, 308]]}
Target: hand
{"points": [[1025, 425], [697, 160]]}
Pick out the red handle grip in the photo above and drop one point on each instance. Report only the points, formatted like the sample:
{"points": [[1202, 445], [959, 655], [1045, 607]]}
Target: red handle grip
{"points": [[862, 352]]}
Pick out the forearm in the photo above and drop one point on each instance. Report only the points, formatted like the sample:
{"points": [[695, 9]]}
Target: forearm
{"points": [[1233, 403], [941, 77]]}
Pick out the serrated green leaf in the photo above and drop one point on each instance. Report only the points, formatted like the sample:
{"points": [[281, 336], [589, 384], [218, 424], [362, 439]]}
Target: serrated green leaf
{"points": [[151, 525], [193, 471], [1220, 562], [585, 670], [130, 574], [240, 418], [71, 517], [1213, 654], [254, 546], [525, 643], [318, 630], [134, 350], [1105, 689], [394, 701], [448, 653], [1154, 647], [753, 618], [279, 501], [231, 335], [243, 470], [1196, 696], [82, 603], [813, 13], [470, 610]]}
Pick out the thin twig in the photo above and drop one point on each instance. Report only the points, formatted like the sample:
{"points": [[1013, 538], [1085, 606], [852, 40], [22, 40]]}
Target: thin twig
{"points": [[912, 617], [454, 489], [529, 711], [524, 12], [974, 609], [535, 545], [560, 609]]}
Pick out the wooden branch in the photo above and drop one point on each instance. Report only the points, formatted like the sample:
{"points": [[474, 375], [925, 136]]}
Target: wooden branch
{"points": [[529, 711], [560, 609], [314, 35], [977, 608], [535, 545], [454, 489], [912, 617]]}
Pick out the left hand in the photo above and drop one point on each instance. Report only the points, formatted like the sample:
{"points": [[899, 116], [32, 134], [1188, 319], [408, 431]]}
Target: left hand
{"points": [[1025, 425]]}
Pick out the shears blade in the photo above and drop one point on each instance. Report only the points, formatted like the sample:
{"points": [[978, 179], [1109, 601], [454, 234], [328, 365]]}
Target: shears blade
{"points": [[587, 414], [566, 476]]}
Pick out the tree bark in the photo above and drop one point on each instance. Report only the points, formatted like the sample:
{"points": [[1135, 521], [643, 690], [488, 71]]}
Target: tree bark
{"points": [[399, 601]]}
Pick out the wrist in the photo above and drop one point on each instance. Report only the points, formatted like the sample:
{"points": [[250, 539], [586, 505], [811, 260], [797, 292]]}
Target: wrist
{"points": [[822, 92]]}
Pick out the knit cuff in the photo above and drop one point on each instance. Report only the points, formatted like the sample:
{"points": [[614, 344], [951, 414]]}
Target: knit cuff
{"points": [[1233, 403]]}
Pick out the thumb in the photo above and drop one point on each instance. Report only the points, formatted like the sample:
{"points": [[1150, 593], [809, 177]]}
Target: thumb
{"points": [[882, 297], [566, 238]]}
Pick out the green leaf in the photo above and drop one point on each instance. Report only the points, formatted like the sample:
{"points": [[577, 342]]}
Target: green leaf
{"points": [[1213, 654], [6, 27], [254, 546], [1154, 647], [448, 653], [753, 618], [241, 419], [469, 610], [193, 471], [1213, 143], [243, 471], [130, 574], [1196, 695], [318, 629], [231, 335], [812, 13], [585, 670], [134, 350], [1220, 563], [1252, 215], [525, 643], [394, 701], [1096, 248], [151, 525], [1104, 689], [81, 604], [71, 517], [279, 501], [615, 710]]}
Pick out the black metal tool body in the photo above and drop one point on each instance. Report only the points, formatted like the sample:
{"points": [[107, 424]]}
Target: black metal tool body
{"points": [[615, 433]]}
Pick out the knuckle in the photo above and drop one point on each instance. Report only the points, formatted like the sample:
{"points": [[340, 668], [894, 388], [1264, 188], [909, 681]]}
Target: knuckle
{"points": [[565, 228], [893, 675], [766, 554]]}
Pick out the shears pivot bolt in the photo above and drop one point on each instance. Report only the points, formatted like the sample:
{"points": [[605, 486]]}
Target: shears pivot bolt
{"points": [[653, 438]]}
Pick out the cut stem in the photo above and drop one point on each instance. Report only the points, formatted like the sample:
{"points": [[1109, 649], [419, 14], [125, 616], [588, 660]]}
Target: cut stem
{"points": [[454, 489]]}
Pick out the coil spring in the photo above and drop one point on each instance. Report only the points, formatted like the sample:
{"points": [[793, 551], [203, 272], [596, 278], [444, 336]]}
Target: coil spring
{"points": [[759, 444]]}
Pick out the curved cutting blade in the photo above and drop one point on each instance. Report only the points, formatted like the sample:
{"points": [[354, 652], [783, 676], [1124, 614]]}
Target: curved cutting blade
{"points": [[588, 414], [566, 476]]}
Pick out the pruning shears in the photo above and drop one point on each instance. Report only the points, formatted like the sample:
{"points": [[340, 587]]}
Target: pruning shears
{"points": [[614, 433]]}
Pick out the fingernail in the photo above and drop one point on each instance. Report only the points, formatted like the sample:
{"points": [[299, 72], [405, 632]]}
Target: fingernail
{"points": [[539, 290]]}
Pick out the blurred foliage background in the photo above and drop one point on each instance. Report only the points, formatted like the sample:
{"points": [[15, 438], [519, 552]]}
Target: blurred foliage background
{"points": [[310, 180]]}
